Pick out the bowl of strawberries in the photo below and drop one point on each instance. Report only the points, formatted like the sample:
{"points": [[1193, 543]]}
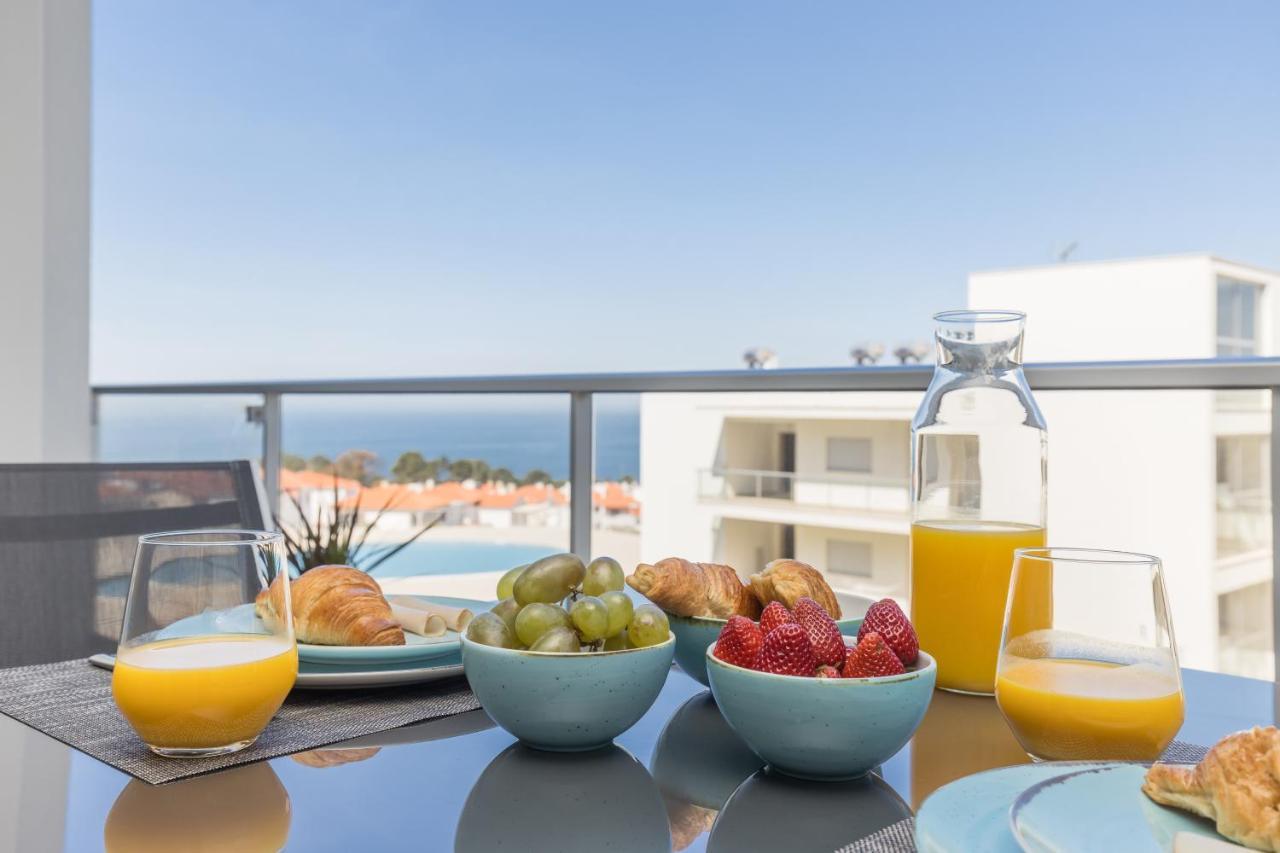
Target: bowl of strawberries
{"points": [[815, 703]]}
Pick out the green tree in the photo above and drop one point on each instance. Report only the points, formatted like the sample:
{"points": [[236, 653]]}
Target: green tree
{"points": [[480, 470], [626, 479], [438, 468], [320, 463], [460, 469], [411, 467], [292, 462], [502, 475], [357, 465], [537, 475]]}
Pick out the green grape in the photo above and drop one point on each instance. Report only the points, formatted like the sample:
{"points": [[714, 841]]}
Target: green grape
{"points": [[506, 586], [558, 639], [649, 627], [620, 610], [536, 619], [590, 617], [507, 609], [549, 580], [617, 643], [603, 574], [488, 629]]}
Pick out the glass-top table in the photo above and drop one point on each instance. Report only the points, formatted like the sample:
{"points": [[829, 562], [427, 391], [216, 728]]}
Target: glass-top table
{"points": [[678, 778]]}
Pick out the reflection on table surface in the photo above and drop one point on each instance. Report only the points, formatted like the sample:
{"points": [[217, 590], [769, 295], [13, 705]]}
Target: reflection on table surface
{"points": [[960, 735], [527, 799], [246, 808], [680, 779]]}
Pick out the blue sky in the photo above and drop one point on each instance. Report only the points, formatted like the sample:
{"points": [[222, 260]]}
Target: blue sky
{"points": [[293, 189]]}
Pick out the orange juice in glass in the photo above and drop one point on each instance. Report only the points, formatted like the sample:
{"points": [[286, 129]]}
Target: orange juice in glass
{"points": [[978, 479], [1101, 680], [197, 673], [193, 692]]}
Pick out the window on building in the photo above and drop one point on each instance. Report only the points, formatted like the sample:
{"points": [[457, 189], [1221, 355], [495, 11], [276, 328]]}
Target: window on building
{"points": [[846, 557], [1238, 317], [1243, 462], [852, 455]]}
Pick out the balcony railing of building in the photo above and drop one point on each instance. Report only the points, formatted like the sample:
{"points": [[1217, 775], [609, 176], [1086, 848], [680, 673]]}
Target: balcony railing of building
{"points": [[1261, 374], [828, 491]]}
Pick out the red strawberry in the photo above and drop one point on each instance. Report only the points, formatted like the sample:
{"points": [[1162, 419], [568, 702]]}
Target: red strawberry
{"points": [[825, 671], [786, 651], [775, 614], [871, 659], [886, 618], [739, 642], [822, 631]]}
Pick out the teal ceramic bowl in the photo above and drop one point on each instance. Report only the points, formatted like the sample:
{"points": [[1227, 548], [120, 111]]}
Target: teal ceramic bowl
{"points": [[566, 702], [822, 728], [694, 632]]}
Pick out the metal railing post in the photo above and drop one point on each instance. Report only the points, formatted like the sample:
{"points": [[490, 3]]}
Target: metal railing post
{"points": [[272, 422], [581, 463], [1274, 473], [95, 425]]}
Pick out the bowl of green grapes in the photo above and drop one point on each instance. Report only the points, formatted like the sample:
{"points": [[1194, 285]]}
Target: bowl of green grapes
{"points": [[565, 660]]}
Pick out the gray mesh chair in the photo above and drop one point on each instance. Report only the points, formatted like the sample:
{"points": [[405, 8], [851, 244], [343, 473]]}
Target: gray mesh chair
{"points": [[68, 533]]}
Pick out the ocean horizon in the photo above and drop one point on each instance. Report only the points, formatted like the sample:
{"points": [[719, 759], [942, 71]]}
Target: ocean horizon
{"points": [[520, 437]]}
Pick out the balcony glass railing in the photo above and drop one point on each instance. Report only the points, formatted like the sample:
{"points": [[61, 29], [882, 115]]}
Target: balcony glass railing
{"points": [[1114, 461]]}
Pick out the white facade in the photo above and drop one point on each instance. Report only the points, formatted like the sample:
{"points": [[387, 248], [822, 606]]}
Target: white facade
{"points": [[1140, 470], [747, 478], [44, 230], [1179, 474]]}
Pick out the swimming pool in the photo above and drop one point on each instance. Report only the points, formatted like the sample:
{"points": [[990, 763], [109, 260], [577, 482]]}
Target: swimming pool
{"points": [[459, 558]]}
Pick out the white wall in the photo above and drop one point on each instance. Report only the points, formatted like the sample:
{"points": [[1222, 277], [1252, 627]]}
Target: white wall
{"points": [[44, 230], [1147, 308], [888, 557], [680, 434], [1129, 470]]}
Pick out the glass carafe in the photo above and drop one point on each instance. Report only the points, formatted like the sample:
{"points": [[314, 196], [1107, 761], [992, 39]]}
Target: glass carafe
{"points": [[977, 493]]}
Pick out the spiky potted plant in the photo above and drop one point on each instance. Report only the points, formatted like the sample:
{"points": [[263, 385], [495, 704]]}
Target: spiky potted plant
{"points": [[332, 537]]}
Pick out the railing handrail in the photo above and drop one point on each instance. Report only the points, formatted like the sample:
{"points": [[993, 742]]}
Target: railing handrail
{"points": [[834, 477], [1189, 374]]}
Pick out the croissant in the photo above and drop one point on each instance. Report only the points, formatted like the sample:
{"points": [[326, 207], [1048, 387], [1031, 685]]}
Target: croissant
{"points": [[1236, 785], [335, 606], [790, 580], [683, 588]]}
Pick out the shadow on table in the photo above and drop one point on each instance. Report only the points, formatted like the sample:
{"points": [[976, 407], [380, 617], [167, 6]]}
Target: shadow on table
{"points": [[528, 799], [246, 808], [770, 811]]}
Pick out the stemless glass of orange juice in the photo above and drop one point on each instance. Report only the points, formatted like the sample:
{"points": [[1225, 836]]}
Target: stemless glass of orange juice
{"points": [[1100, 680], [197, 672]]}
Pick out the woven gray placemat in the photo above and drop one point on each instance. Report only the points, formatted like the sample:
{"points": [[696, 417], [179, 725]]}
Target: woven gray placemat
{"points": [[900, 837], [71, 701]]}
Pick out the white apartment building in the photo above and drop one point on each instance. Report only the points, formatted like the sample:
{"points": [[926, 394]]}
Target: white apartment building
{"points": [[746, 478]]}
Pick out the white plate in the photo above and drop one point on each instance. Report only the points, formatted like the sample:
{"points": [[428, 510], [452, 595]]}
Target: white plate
{"points": [[352, 678]]}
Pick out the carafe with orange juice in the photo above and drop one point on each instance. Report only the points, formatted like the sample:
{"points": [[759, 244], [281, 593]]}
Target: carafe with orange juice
{"points": [[1100, 679], [197, 672], [977, 494]]}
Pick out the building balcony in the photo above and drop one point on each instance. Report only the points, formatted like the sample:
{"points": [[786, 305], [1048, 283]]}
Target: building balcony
{"points": [[852, 501]]}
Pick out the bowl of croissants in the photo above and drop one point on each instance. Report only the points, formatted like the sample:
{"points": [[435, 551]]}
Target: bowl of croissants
{"points": [[699, 598]]}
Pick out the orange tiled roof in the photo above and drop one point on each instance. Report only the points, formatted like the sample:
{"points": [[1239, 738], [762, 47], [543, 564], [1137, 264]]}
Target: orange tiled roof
{"points": [[614, 498], [292, 481]]}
